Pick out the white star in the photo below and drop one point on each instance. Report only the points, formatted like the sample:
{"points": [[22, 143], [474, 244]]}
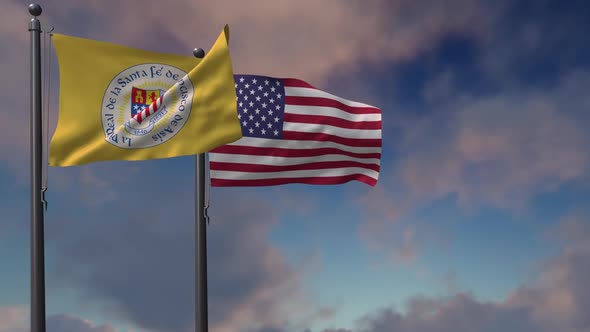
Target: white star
{"points": [[279, 95], [263, 105], [241, 79], [254, 81], [245, 110], [272, 89], [276, 132], [260, 88], [278, 107], [266, 94], [276, 119], [241, 91], [257, 111], [236, 85], [247, 85], [266, 82], [135, 107], [257, 98], [251, 130], [251, 117], [251, 92], [251, 104], [239, 116], [269, 125], [257, 124], [263, 131], [241, 104], [245, 97], [272, 101], [278, 83], [263, 118], [143, 107], [269, 112], [244, 123]]}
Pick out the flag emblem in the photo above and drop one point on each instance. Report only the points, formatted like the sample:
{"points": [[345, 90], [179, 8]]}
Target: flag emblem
{"points": [[146, 105], [143, 98]]}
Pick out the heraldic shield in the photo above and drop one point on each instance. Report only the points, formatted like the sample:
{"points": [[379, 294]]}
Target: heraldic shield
{"points": [[140, 100]]}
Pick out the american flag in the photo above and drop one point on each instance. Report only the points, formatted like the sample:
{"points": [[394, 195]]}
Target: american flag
{"points": [[295, 133]]}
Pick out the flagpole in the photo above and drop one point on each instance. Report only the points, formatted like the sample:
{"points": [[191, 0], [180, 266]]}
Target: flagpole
{"points": [[37, 234], [201, 306]]}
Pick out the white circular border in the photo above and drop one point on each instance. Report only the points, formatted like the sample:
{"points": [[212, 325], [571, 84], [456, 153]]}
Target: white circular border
{"points": [[150, 76]]}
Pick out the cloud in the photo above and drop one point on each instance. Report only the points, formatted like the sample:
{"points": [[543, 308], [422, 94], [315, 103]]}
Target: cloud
{"points": [[16, 319], [68, 323], [389, 228], [544, 41], [560, 296], [349, 33], [140, 266], [459, 313], [555, 299], [13, 319], [500, 150]]}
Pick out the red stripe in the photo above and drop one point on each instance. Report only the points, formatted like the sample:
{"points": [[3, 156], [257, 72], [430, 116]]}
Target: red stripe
{"points": [[138, 117], [321, 137], [283, 152], [327, 102], [295, 83], [278, 181], [256, 168], [332, 121]]}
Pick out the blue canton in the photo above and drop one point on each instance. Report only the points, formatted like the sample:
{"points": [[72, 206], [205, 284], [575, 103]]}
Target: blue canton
{"points": [[261, 105], [136, 108]]}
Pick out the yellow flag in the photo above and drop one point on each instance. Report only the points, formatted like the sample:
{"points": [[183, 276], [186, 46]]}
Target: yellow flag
{"points": [[120, 103]]}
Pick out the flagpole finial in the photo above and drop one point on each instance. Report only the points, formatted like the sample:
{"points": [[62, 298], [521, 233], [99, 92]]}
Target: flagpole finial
{"points": [[199, 53], [35, 9]]}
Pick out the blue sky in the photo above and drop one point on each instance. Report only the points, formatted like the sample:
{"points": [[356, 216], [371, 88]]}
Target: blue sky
{"points": [[479, 221]]}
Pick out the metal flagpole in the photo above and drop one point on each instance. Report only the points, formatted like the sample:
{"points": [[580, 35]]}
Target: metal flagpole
{"points": [[201, 321], [37, 236]]}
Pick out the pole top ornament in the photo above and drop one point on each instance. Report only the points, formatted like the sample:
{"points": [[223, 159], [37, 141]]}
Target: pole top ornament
{"points": [[35, 9]]}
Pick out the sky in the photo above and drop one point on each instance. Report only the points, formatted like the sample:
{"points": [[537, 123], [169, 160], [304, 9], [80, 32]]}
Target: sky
{"points": [[480, 220]]}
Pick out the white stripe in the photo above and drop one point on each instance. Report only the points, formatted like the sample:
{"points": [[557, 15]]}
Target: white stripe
{"points": [[284, 161], [296, 144], [330, 111], [307, 92], [231, 175], [331, 130]]}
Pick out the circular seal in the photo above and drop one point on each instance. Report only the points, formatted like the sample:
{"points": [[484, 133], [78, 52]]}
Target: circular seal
{"points": [[146, 105]]}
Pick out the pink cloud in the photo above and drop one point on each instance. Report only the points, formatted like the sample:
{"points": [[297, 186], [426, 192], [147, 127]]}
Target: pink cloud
{"points": [[559, 295], [499, 150], [306, 39], [13, 319], [16, 319], [250, 278], [69, 323], [555, 298]]}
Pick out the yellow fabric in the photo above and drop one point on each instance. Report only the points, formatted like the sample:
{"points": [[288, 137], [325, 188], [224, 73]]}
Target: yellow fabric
{"points": [[95, 120]]}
